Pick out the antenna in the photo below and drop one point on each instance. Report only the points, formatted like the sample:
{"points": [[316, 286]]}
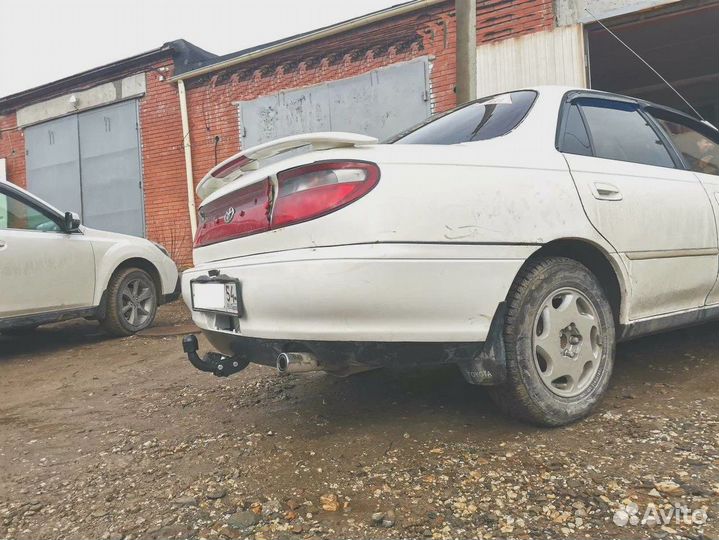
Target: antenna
{"points": [[648, 65]]}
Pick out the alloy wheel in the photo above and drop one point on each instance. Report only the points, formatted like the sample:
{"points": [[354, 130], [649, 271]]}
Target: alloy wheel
{"points": [[137, 300]]}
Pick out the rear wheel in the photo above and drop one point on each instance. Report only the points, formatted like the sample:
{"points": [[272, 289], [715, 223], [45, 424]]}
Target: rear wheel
{"points": [[131, 302], [560, 340]]}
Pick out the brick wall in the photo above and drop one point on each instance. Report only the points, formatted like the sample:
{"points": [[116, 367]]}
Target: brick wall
{"points": [[12, 148], [500, 19], [163, 166]]}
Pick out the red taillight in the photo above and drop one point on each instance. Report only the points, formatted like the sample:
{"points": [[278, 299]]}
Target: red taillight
{"points": [[314, 190], [303, 193], [239, 213]]}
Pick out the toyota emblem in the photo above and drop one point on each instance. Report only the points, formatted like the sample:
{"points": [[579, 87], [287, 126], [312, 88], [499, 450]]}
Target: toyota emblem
{"points": [[229, 214]]}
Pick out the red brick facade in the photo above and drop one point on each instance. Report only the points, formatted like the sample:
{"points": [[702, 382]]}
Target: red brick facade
{"points": [[163, 166], [12, 148], [214, 122]]}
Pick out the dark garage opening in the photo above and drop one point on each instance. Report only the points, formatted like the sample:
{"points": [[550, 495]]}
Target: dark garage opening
{"points": [[681, 42]]}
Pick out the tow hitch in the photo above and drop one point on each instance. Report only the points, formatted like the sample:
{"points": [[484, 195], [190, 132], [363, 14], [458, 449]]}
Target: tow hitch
{"points": [[216, 363]]}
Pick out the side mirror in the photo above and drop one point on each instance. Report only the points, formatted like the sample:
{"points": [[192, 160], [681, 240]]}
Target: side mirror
{"points": [[72, 222]]}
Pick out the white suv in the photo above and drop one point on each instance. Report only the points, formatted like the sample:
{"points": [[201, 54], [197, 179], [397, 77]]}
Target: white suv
{"points": [[519, 236], [52, 269]]}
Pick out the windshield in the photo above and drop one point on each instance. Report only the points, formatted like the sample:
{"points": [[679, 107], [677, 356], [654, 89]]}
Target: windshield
{"points": [[483, 119]]}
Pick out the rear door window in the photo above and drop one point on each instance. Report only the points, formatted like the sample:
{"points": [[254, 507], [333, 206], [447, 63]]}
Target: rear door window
{"points": [[575, 139], [483, 119], [618, 131], [700, 150], [3, 212]]}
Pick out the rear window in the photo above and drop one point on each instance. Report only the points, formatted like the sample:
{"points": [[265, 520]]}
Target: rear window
{"points": [[699, 150], [483, 119]]}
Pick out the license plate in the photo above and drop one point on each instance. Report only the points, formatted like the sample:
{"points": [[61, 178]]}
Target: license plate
{"points": [[216, 296]]}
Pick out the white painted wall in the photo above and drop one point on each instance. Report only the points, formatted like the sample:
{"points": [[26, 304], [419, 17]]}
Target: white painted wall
{"points": [[103, 94], [550, 57], [574, 11]]}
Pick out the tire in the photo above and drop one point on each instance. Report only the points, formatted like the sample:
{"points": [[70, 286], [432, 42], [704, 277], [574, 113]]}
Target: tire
{"points": [[559, 337], [131, 302]]}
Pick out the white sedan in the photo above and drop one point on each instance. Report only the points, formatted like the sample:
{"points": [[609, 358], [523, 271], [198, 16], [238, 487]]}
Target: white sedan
{"points": [[519, 236], [52, 268]]}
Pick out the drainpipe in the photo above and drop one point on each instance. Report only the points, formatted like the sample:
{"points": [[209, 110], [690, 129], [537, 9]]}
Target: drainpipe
{"points": [[188, 157], [466, 54]]}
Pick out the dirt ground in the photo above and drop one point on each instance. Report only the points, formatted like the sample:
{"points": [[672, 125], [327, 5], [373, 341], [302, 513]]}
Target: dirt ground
{"points": [[122, 438]]}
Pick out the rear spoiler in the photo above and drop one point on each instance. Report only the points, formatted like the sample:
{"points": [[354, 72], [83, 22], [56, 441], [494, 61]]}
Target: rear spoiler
{"points": [[250, 160]]}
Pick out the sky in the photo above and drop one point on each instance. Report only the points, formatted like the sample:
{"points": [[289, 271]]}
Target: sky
{"points": [[45, 40]]}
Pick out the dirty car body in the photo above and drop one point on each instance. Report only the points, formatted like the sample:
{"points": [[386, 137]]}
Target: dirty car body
{"points": [[428, 248]]}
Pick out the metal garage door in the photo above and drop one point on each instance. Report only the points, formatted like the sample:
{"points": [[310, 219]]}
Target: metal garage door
{"points": [[110, 169], [90, 163], [53, 163], [380, 103]]}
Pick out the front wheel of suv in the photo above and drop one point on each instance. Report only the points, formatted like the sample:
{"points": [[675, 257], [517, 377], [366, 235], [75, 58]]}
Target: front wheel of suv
{"points": [[560, 340], [131, 302]]}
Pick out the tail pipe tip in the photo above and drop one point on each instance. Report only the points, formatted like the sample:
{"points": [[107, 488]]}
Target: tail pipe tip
{"points": [[297, 362]]}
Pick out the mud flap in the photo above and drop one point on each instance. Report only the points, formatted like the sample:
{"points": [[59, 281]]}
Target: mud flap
{"points": [[489, 367]]}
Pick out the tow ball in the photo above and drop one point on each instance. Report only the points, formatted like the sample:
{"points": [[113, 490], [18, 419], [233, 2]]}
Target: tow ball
{"points": [[215, 363]]}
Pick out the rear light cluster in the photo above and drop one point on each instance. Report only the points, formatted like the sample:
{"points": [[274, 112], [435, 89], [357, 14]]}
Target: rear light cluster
{"points": [[242, 212], [304, 193]]}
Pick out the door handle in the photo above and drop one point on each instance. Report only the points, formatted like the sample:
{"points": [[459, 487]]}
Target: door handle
{"points": [[606, 192], [3, 244]]}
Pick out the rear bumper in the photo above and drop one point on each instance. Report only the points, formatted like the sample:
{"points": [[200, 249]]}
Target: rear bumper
{"points": [[387, 293], [344, 357]]}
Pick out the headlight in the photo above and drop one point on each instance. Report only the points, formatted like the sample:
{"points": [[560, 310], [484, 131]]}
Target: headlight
{"points": [[162, 248]]}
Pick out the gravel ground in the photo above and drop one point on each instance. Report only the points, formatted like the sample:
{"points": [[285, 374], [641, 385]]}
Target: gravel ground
{"points": [[122, 438]]}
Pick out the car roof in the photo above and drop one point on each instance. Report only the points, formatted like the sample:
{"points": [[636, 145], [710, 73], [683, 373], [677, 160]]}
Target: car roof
{"points": [[561, 91]]}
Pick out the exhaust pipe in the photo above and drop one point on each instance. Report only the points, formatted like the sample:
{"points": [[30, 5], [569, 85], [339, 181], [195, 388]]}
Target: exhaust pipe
{"points": [[297, 362]]}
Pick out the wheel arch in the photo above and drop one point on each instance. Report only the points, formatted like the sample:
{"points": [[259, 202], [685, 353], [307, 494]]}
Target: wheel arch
{"points": [[132, 262], [598, 261]]}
